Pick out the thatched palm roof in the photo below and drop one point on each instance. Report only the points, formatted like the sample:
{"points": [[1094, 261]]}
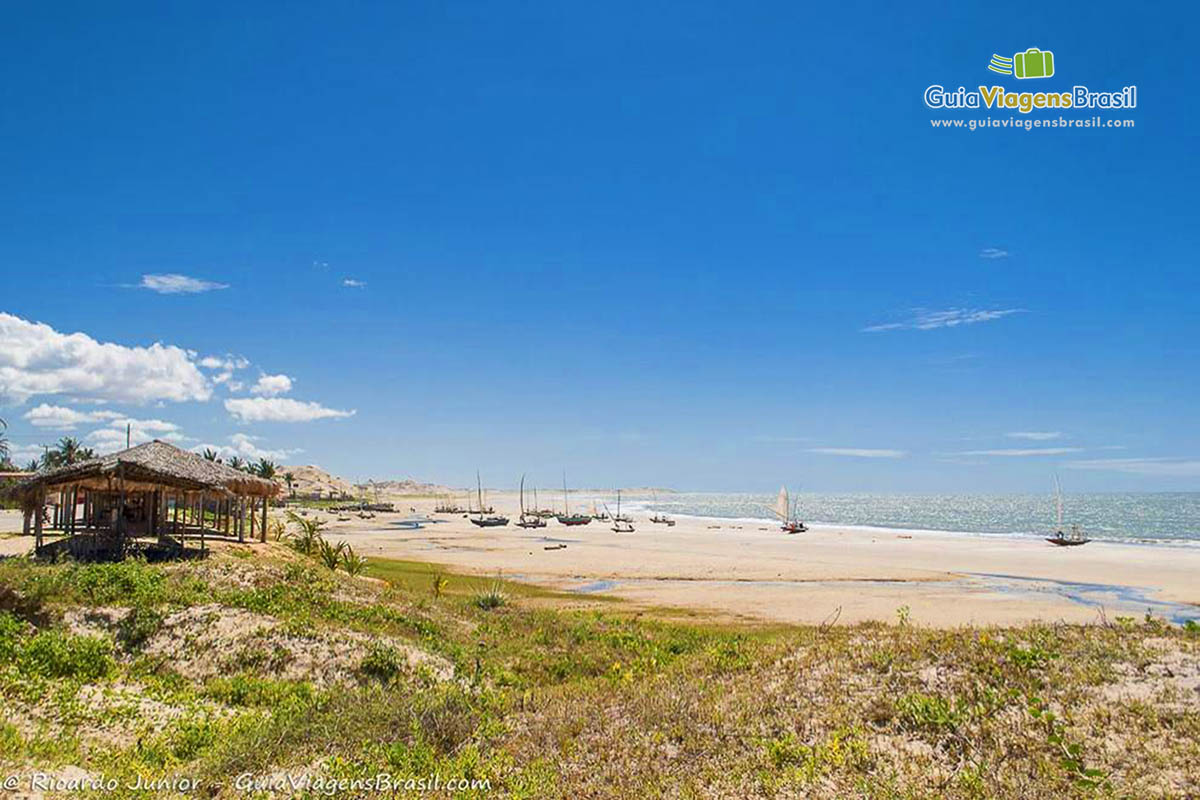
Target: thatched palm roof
{"points": [[150, 465]]}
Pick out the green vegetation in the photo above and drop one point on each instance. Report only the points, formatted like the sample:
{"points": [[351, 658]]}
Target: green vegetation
{"points": [[255, 665]]}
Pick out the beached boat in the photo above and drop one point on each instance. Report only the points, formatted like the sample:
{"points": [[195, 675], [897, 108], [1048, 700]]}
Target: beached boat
{"points": [[1065, 538], [567, 518], [620, 524], [488, 520], [661, 519], [787, 510], [529, 519]]}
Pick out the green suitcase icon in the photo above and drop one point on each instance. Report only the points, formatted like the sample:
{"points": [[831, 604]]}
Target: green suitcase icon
{"points": [[1034, 63]]}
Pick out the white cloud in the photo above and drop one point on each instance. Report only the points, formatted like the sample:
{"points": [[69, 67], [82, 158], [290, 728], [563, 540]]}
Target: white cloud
{"points": [[112, 437], [354, 284], [279, 409], [1157, 467], [858, 452], [173, 283], [243, 446], [924, 320], [61, 418], [272, 385], [1016, 452], [1035, 436], [225, 363], [37, 360], [993, 252]]}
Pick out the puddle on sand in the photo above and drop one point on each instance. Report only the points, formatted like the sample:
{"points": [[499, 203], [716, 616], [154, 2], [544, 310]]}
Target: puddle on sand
{"points": [[1111, 597]]}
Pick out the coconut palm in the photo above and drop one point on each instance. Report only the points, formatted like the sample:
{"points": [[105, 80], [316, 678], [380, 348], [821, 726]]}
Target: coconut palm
{"points": [[70, 452], [265, 469], [236, 462], [211, 455], [290, 479]]}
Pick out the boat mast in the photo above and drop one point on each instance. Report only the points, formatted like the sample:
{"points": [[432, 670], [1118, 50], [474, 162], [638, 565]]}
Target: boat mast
{"points": [[1058, 500], [479, 488], [566, 502]]}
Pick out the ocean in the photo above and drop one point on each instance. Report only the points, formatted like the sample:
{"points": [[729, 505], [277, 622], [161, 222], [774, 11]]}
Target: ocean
{"points": [[1157, 518]]}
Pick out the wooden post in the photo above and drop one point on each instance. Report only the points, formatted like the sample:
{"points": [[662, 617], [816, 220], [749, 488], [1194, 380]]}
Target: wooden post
{"points": [[262, 535], [37, 523], [241, 520]]}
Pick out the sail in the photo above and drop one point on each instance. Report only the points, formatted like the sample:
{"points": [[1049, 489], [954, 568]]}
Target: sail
{"points": [[782, 508]]}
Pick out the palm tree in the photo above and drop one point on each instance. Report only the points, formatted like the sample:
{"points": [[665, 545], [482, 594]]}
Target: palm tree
{"points": [[3, 441], [290, 479], [211, 455], [265, 469], [33, 466], [236, 462], [69, 451]]}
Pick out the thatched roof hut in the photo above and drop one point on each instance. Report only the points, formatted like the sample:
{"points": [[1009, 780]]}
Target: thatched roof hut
{"points": [[151, 465], [153, 489]]}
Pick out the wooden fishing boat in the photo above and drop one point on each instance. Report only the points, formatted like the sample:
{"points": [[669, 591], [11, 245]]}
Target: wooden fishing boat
{"points": [[1064, 538], [620, 524], [787, 510], [567, 518], [529, 519], [488, 520]]}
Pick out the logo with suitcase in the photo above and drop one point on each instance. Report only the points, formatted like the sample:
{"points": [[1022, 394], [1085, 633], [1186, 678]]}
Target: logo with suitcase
{"points": [[1033, 63]]}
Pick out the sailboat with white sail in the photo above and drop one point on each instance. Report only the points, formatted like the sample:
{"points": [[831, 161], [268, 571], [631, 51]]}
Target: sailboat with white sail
{"points": [[1061, 538], [787, 509]]}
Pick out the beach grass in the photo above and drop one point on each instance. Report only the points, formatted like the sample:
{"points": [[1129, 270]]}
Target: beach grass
{"points": [[275, 663]]}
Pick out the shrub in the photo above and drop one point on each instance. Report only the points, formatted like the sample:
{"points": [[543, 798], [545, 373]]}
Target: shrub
{"points": [[383, 663], [330, 554], [492, 597], [352, 562], [53, 654]]}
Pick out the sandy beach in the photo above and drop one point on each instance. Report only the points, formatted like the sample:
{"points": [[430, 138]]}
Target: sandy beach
{"points": [[742, 570]]}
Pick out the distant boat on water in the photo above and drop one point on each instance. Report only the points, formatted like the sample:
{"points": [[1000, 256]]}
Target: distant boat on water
{"points": [[486, 521], [787, 510], [567, 518], [1072, 538]]}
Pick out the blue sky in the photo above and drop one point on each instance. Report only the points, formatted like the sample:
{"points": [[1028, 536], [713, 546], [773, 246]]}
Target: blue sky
{"points": [[644, 245]]}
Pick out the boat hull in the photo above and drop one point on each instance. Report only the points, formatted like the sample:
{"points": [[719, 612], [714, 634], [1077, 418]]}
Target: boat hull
{"points": [[490, 522], [574, 520], [1060, 542]]}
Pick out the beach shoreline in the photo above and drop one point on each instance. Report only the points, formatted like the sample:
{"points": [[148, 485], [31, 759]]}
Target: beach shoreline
{"points": [[752, 571]]}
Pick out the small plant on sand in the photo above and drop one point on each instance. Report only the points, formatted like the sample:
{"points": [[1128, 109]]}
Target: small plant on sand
{"points": [[903, 616], [277, 529], [440, 582], [330, 554], [383, 663], [352, 562], [306, 537], [492, 597]]}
